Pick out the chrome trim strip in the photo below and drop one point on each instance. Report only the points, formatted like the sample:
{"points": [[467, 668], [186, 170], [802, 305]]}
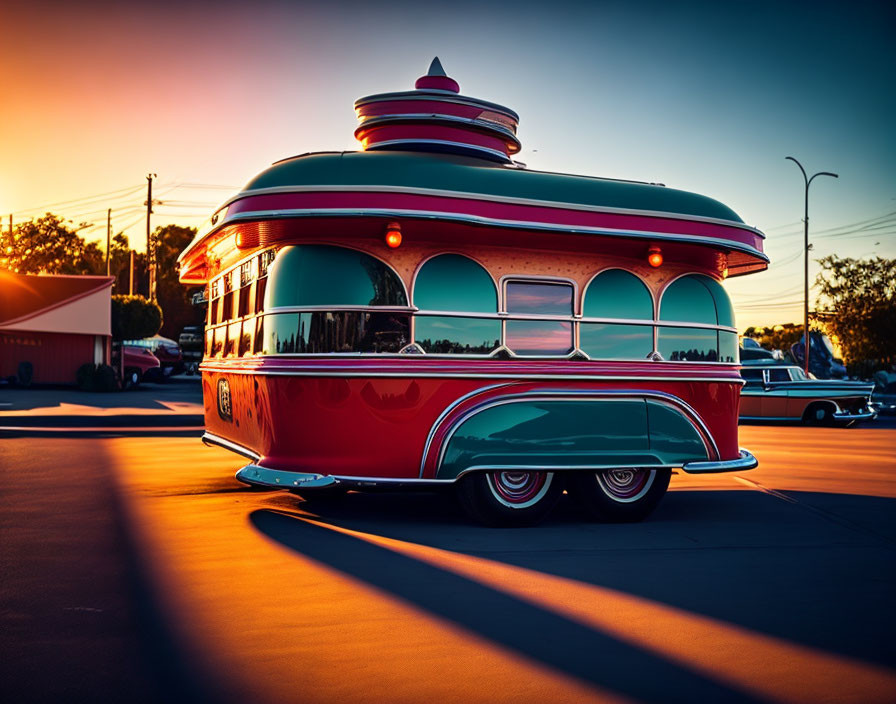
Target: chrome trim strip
{"points": [[434, 94], [481, 220], [552, 468], [744, 462], [373, 120], [571, 395], [463, 145], [212, 439], [337, 309], [450, 407], [278, 479], [323, 372], [512, 200]]}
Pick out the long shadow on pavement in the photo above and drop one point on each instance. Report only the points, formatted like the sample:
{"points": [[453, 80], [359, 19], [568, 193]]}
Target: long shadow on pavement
{"points": [[517, 625], [818, 570]]}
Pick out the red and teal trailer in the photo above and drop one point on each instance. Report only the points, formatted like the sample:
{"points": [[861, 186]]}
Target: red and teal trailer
{"points": [[427, 312]]}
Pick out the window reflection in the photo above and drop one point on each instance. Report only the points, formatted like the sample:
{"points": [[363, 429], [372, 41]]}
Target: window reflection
{"points": [[334, 332], [447, 335], [728, 350], [600, 341], [323, 275], [538, 298], [687, 344], [688, 300], [538, 337]]}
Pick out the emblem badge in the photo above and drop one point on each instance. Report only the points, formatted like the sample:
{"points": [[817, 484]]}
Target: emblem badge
{"points": [[225, 406]]}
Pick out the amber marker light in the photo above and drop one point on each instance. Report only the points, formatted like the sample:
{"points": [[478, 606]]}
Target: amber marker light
{"points": [[393, 234], [655, 257]]}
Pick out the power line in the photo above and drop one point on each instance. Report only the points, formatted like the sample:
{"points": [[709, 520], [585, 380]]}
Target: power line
{"points": [[82, 201]]}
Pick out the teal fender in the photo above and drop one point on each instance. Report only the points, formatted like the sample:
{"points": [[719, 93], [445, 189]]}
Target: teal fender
{"points": [[566, 433]]}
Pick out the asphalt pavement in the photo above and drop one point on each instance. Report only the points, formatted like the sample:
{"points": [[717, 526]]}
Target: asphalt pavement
{"points": [[136, 568]]}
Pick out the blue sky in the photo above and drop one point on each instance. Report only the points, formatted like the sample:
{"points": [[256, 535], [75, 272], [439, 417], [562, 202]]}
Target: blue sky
{"points": [[707, 97]]}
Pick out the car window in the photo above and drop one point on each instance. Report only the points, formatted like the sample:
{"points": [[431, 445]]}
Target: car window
{"points": [[753, 377], [778, 375]]}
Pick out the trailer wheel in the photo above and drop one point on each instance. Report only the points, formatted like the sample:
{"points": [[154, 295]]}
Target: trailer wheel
{"points": [[132, 378], [818, 414], [509, 498], [622, 495]]}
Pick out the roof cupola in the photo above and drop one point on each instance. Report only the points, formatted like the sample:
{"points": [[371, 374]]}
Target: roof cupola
{"points": [[435, 117]]}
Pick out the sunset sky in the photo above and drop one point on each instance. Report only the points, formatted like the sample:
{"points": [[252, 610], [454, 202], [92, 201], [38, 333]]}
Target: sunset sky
{"points": [[706, 97]]}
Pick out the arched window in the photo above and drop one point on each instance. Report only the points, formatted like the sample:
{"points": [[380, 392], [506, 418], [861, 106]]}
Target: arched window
{"points": [[323, 275], [696, 299], [340, 290], [616, 295], [448, 286]]}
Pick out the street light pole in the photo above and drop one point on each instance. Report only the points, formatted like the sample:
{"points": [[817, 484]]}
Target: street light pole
{"points": [[808, 182]]}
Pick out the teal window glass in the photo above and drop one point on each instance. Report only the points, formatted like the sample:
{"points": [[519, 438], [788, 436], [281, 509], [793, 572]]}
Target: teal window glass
{"points": [[538, 298], [728, 350], [538, 337], [323, 332], [724, 309], [618, 294], [605, 341], [322, 275], [451, 282], [450, 335], [687, 344], [688, 300]]}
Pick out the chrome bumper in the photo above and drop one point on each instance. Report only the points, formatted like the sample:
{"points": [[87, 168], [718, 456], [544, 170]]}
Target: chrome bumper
{"points": [[744, 462], [276, 479], [847, 417]]}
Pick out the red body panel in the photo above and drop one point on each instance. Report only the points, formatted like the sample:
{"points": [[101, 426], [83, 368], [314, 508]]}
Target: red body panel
{"points": [[321, 200], [361, 423]]}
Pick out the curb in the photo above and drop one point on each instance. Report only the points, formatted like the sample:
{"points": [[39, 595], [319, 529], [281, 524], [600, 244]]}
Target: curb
{"points": [[156, 420]]}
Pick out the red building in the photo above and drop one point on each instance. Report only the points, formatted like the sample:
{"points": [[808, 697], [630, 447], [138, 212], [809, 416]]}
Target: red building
{"points": [[51, 325]]}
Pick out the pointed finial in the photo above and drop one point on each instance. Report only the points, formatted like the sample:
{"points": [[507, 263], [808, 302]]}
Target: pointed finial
{"points": [[437, 79], [435, 68]]}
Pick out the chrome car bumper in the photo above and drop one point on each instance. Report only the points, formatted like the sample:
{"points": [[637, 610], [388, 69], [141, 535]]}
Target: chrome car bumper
{"points": [[847, 417], [277, 479], [744, 462]]}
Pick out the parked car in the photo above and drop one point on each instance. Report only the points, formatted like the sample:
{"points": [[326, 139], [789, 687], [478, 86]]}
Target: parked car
{"points": [[191, 343], [780, 391], [166, 350], [139, 365]]}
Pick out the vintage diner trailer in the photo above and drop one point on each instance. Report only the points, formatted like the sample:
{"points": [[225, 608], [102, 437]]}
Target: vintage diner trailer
{"points": [[428, 312]]}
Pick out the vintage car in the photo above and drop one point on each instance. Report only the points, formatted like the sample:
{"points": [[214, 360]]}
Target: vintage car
{"points": [[781, 391], [139, 364], [166, 350], [427, 312]]}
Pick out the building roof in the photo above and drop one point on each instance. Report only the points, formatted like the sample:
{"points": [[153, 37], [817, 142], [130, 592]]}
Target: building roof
{"points": [[465, 175], [27, 296]]}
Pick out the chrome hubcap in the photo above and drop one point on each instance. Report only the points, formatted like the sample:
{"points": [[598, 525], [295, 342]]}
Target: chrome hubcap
{"points": [[519, 489], [625, 484]]}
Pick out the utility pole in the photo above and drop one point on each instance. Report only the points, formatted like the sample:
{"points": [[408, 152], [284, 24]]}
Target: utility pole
{"points": [[808, 182], [150, 248], [131, 276], [108, 238]]}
